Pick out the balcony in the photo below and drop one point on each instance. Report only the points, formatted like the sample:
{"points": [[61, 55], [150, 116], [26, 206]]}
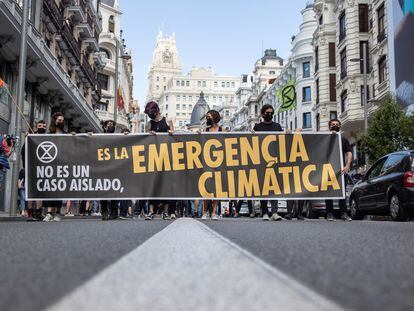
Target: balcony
{"points": [[89, 73], [69, 44], [53, 15], [381, 37], [76, 10], [85, 30]]}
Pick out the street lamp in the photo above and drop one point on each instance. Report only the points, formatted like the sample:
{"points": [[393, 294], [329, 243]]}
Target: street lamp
{"points": [[365, 98]]}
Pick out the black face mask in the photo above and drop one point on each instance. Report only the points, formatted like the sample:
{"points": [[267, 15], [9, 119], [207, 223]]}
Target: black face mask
{"points": [[41, 130], [152, 115], [335, 128], [268, 117], [110, 129], [60, 125], [209, 122]]}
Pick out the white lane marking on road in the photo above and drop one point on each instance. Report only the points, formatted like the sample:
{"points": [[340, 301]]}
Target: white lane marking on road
{"points": [[187, 266]]}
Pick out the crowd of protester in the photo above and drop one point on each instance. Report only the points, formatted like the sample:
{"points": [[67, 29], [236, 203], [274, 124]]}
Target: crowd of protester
{"points": [[170, 210]]}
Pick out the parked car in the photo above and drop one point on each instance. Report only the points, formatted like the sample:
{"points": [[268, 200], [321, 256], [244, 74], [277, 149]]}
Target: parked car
{"points": [[386, 189], [315, 208]]}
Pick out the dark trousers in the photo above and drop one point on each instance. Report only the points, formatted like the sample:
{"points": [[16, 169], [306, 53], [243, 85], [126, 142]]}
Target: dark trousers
{"points": [[109, 208], [123, 207], [299, 207], [341, 203], [263, 206], [249, 204]]}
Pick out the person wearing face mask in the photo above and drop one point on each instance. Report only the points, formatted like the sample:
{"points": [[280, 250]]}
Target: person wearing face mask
{"points": [[159, 124], [35, 210], [53, 207], [268, 125], [335, 127], [109, 209]]}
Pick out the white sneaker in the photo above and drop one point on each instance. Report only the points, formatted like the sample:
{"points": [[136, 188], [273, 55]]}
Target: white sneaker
{"points": [[214, 217], [266, 217], [173, 217], [56, 218], [276, 217], [69, 215], [48, 218], [204, 217]]}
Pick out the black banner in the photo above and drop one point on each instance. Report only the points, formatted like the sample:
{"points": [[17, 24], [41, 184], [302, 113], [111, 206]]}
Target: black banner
{"points": [[184, 166]]}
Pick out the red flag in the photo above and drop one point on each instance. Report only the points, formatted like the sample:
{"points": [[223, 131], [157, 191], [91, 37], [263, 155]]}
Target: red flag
{"points": [[120, 99]]}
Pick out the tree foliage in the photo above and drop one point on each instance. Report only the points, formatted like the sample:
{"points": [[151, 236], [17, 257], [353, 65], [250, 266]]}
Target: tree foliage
{"points": [[390, 129]]}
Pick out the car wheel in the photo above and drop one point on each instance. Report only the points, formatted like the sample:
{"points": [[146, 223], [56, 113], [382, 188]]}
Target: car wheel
{"points": [[355, 212], [309, 212], [397, 212]]}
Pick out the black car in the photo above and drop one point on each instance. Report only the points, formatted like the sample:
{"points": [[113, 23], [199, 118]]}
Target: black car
{"points": [[386, 189]]}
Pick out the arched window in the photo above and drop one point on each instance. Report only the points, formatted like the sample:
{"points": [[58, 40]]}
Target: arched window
{"points": [[111, 24], [107, 54]]}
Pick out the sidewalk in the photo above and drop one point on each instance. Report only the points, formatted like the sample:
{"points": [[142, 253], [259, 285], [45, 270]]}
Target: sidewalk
{"points": [[6, 217]]}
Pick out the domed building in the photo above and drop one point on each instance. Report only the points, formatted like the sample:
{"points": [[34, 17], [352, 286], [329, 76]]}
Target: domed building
{"points": [[199, 111]]}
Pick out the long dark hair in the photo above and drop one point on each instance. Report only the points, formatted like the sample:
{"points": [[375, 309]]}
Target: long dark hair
{"points": [[52, 127], [215, 115]]}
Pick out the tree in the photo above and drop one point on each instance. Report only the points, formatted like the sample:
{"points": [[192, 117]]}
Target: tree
{"points": [[390, 129]]}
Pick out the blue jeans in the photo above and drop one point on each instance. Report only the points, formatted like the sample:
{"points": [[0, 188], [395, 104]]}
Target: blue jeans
{"points": [[22, 200], [199, 209]]}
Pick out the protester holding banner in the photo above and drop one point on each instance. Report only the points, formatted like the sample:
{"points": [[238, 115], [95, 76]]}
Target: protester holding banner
{"points": [[212, 120], [109, 209], [53, 207], [158, 124], [268, 125], [335, 127]]}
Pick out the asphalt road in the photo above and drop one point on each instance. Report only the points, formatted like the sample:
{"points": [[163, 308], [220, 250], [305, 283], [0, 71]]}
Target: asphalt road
{"points": [[358, 265]]}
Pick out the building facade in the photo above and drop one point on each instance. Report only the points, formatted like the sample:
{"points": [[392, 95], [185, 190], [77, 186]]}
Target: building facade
{"points": [[177, 93], [345, 27], [62, 65], [110, 41]]}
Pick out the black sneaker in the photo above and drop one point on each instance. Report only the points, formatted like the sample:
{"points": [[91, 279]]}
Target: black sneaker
{"points": [[300, 217], [150, 216], [329, 217], [288, 217], [345, 217]]}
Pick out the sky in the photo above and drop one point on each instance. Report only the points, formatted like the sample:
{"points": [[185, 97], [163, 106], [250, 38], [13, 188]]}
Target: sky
{"points": [[228, 35]]}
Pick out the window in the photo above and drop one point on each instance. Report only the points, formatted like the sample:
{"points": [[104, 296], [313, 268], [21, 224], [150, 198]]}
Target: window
{"points": [[233, 84], [306, 70], [255, 110], [158, 79], [317, 91], [215, 83], [184, 98], [214, 99], [182, 83], [307, 120], [342, 26], [220, 99], [164, 79], [332, 87], [363, 17], [321, 20], [393, 164], [111, 24], [226, 98], [178, 98], [332, 56], [227, 113], [158, 87], [343, 64], [190, 98], [227, 84], [204, 84], [381, 23], [184, 107], [333, 115], [361, 55], [106, 52], [306, 94], [177, 106], [382, 69], [199, 83], [166, 98], [166, 107], [165, 88], [272, 72], [103, 106], [178, 82], [316, 59], [375, 170], [103, 81], [187, 83], [318, 122], [223, 84], [190, 107], [344, 101]]}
